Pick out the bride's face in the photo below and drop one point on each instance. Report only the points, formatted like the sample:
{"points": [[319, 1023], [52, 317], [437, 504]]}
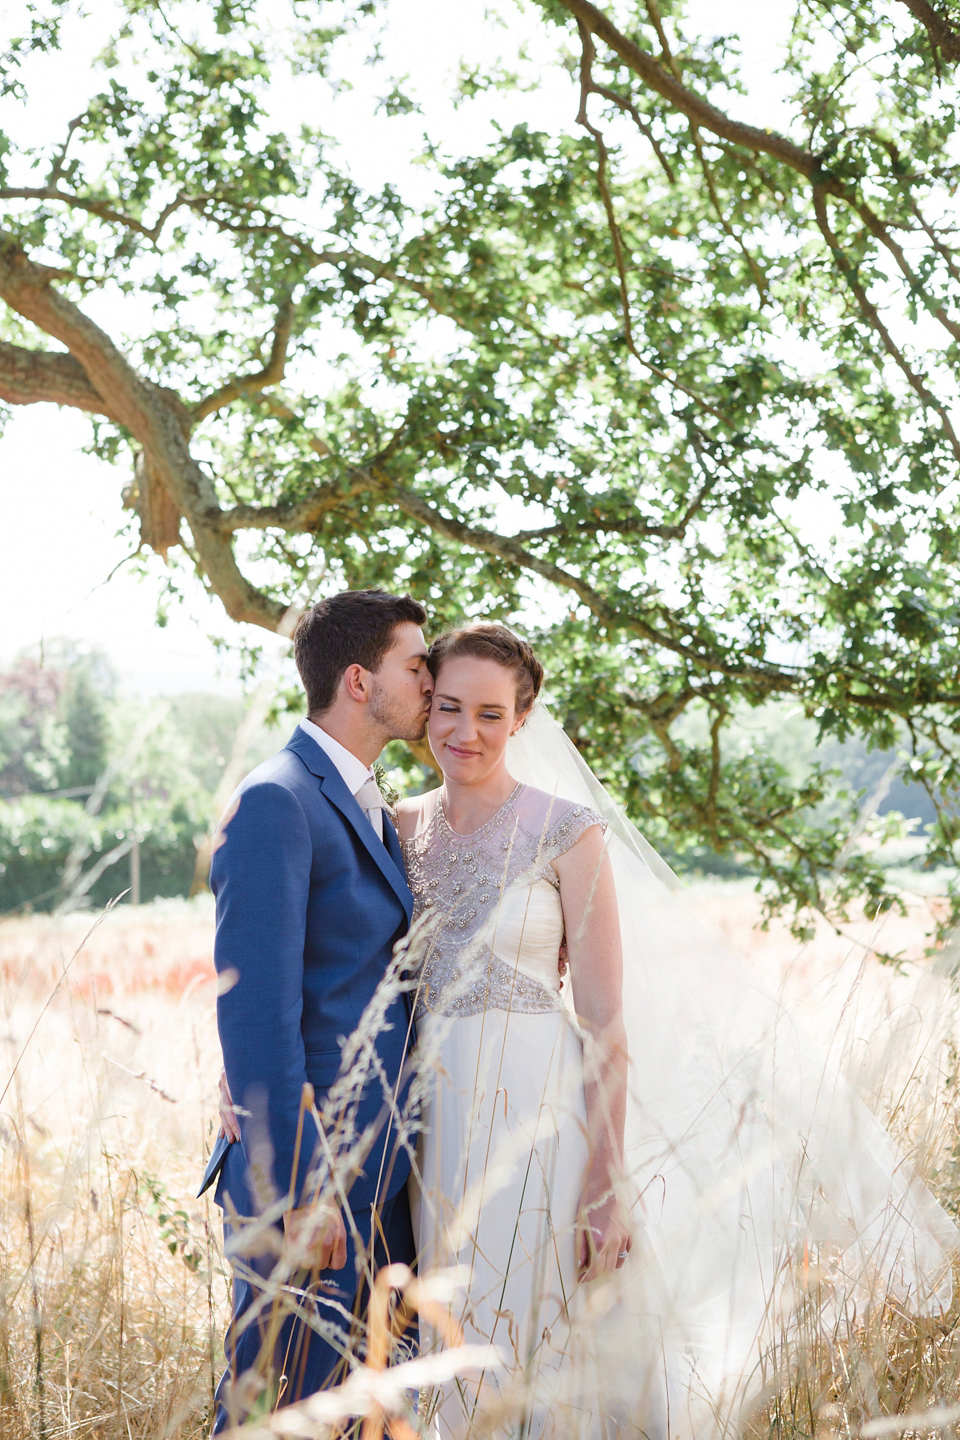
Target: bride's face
{"points": [[472, 716]]}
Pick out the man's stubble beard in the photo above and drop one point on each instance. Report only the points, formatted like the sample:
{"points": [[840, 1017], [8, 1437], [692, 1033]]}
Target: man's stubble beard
{"points": [[389, 713]]}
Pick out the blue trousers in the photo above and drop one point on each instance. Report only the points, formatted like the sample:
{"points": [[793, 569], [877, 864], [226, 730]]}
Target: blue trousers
{"points": [[275, 1357]]}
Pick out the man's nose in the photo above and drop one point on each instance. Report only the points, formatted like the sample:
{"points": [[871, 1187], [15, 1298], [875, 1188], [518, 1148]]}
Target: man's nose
{"points": [[426, 685]]}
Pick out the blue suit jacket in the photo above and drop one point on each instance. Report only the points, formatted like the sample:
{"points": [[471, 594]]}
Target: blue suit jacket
{"points": [[310, 904]]}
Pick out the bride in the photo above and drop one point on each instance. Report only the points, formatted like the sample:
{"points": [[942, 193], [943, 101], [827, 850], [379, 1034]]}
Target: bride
{"points": [[640, 1169], [522, 1158]]}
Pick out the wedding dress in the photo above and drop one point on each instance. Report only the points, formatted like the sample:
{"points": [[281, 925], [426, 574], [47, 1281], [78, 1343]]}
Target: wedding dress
{"points": [[763, 1189], [504, 1135]]}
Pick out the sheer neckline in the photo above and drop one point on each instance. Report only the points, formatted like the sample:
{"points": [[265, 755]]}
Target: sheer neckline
{"points": [[441, 816]]}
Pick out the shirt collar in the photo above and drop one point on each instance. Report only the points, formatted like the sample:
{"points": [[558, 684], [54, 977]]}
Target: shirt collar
{"points": [[352, 770]]}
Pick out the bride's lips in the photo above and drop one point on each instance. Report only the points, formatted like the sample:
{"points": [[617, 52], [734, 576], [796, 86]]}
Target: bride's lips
{"points": [[454, 750]]}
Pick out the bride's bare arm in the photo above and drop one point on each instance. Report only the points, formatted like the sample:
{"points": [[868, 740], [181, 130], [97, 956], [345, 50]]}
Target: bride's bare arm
{"points": [[318, 1232], [592, 923]]}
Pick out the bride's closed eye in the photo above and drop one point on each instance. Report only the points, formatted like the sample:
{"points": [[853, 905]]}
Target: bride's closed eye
{"points": [[446, 708]]}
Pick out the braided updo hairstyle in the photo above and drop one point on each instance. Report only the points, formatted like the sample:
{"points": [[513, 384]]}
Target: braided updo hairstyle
{"points": [[492, 642]]}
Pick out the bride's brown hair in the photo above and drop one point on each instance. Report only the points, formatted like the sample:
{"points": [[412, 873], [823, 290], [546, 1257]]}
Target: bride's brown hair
{"points": [[496, 643]]}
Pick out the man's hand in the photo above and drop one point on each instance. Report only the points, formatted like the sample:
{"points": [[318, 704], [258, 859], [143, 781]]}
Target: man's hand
{"points": [[317, 1237], [604, 1231], [229, 1124]]}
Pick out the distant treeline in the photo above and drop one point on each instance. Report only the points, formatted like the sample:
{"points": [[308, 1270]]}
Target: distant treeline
{"points": [[111, 790]]}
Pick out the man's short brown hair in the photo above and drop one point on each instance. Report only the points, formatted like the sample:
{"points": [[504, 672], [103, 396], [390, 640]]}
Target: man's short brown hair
{"points": [[355, 627]]}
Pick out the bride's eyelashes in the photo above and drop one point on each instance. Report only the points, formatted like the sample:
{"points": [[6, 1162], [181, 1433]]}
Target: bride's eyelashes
{"points": [[445, 708]]}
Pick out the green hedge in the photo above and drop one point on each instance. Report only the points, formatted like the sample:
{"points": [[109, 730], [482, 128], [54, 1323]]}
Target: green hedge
{"points": [[36, 833]]}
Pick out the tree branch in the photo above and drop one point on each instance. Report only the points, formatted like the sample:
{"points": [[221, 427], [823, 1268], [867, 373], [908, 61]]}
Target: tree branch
{"points": [[628, 108], [759, 279], [700, 112], [154, 417], [942, 35], [917, 287], [586, 88], [298, 516], [766, 142], [872, 316], [302, 515], [271, 374], [628, 525], [947, 255], [99, 208], [615, 616], [32, 377], [766, 679], [56, 170], [666, 81]]}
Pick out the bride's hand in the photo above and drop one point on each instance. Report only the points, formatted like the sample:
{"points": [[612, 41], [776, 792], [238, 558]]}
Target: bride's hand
{"points": [[604, 1232], [229, 1124], [317, 1236]]}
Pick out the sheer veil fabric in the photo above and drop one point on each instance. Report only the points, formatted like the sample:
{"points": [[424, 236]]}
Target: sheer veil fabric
{"points": [[763, 1186]]}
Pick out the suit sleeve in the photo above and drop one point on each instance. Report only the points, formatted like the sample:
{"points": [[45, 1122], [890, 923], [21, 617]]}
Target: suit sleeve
{"points": [[261, 879]]}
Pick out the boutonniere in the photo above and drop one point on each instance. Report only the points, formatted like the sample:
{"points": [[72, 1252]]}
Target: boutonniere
{"points": [[389, 794]]}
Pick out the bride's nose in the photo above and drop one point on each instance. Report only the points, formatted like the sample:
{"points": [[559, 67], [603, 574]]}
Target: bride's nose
{"points": [[466, 728]]}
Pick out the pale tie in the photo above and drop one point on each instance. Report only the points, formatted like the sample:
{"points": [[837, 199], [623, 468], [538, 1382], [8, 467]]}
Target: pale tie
{"points": [[370, 799]]}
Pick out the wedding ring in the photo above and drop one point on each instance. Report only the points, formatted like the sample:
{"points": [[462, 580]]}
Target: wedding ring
{"points": [[623, 1254]]}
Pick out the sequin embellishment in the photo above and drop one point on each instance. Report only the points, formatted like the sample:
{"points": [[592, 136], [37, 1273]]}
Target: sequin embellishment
{"points": [[458, 881]]}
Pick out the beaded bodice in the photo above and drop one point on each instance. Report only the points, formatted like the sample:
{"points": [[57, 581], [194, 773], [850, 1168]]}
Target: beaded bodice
{"points": [[491, 924]]}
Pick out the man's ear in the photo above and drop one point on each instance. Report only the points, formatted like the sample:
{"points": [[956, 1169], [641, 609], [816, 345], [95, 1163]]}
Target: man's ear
{"points": [[356, 682]]}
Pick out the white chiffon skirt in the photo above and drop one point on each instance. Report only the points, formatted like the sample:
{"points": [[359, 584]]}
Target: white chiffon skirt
{"points": [[502, 1158]]}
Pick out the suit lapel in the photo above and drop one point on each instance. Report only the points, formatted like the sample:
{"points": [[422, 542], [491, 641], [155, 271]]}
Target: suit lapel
{"points": [[385, 855], [392, 842], [393, 845], [337, 793]]}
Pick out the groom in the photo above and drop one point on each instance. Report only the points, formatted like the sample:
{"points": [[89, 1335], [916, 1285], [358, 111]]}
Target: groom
{"points": [[311, 898]]}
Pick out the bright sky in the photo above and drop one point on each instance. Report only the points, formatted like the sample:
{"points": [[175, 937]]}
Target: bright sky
{"points": [[64, 538]]}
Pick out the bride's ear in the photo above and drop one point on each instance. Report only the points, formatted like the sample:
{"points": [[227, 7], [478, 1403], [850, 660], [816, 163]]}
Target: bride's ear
{"points": [[519, 723]]}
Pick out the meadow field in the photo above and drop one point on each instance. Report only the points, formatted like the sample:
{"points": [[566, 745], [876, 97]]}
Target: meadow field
{"points": [[113, 1290]]}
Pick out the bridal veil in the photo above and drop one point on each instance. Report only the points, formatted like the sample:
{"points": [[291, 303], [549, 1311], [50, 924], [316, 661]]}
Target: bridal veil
{"points": [[764, 1187]]}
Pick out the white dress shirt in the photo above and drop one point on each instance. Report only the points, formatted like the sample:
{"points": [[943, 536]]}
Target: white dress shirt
{"points": [[352, 770]]}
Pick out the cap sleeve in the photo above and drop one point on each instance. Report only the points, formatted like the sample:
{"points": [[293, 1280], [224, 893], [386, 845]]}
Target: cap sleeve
{"points": [[568, 828]]}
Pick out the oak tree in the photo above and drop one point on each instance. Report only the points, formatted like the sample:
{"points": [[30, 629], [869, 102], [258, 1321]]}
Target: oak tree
{"points": [[679, 389]]}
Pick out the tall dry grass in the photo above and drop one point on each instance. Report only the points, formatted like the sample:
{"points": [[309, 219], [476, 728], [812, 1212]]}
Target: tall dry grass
{"points": [[112, 1286], [884, 1372], [113, 1289]]}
